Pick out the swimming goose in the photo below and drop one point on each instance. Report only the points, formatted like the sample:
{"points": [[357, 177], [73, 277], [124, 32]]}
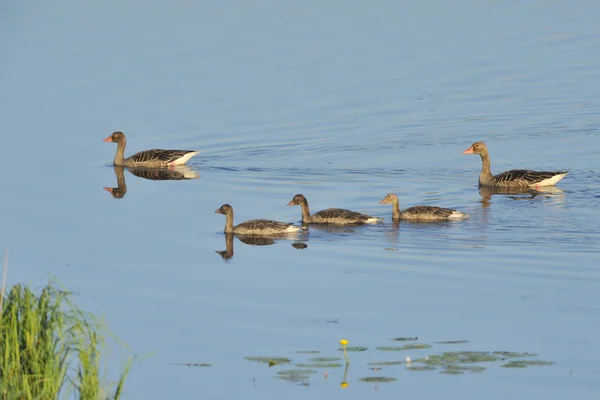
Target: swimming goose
{"points": [[258, 227], [516, 178], [337, 216], [148, 158], [421, 213]]}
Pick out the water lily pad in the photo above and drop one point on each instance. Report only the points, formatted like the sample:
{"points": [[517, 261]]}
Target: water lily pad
{"points": [[452, 372], [510, 354], [413, 367], [382, 363], [469, 356], [308, 352], [319, 365], [526, 363], [459, 369], [325, 359], [301, 376], [412, 346], [355, 348], [270, 360], [297, 372], [377, 379], [194, 365], [452, 342], [405, 339]]}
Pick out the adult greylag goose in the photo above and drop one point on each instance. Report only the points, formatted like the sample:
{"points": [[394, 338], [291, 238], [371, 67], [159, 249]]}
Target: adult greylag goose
{"points": [[258, 227], [516, 178], [147, 158], [421, 213], [338, 216]]}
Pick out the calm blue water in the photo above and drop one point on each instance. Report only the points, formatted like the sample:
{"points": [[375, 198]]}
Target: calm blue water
{"points": [[343, 102]]}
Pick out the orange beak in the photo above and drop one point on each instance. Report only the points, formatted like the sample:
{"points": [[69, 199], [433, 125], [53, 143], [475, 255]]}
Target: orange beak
{"points": [[469, 150], [109, 190], [108, 139], [291, 203]]}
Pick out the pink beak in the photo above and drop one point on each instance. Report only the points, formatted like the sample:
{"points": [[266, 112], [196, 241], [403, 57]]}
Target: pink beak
{"points": [[469, 150], [108, 139], [110, 190]]}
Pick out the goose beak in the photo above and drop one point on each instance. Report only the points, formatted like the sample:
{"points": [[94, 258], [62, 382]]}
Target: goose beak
{"points": [[382, 201], [469, 150], [108, 139], [109, 190], [218, 211], [291, 203]]}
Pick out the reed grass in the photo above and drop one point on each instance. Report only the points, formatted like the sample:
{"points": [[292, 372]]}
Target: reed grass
{"points": [[50, 349]]}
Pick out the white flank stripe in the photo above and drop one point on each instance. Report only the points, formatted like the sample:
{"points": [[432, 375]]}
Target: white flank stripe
{"points": [[550, 181], [184, 159]]}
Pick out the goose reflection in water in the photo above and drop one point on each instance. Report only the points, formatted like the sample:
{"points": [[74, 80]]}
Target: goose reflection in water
{"points": [[177, 173], [251, 241], [486, 193]]}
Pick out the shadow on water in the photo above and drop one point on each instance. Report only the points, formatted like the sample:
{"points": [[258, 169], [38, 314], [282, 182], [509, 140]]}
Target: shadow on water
{"points": [[178, 173], [487, 192], [228, 253]]}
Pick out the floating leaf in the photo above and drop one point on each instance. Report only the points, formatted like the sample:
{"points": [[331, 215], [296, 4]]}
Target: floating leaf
{"points": [[319, 365], [325, 359], [308, 352], [356, 348], [412, 346], [382, 363], [295, 375], [420, 367], [452, 342], [405, 339], [193, 365], [510, 354], [459, 369], [469, 356], [269, 360], [377, 379], [452, 371], [526, 363], [297, 372]]}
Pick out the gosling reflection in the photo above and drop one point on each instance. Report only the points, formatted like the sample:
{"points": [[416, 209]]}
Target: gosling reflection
{"points": [[180, 172], [228, 253], [486, 193]]}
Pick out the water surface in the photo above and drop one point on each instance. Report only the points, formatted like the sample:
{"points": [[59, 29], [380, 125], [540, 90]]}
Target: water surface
{"points": [[342, 102]]}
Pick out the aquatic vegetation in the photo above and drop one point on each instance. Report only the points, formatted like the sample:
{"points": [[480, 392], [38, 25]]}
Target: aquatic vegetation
{"points": [[355, 348], [272, 361], [510, 354], [412, 346], [384, 363], [526, 363], [194, 365], [324, 359], [405, 339], [318, 365], [448, 363], [344, 344], [50, 348], [377, 379], [301, 376], [452, 342]]}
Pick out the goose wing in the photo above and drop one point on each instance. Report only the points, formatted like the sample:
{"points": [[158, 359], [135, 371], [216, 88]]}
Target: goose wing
{"points": [[525, 176], [161, 155], [431, 211], [264, 224], [340, 213]]}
